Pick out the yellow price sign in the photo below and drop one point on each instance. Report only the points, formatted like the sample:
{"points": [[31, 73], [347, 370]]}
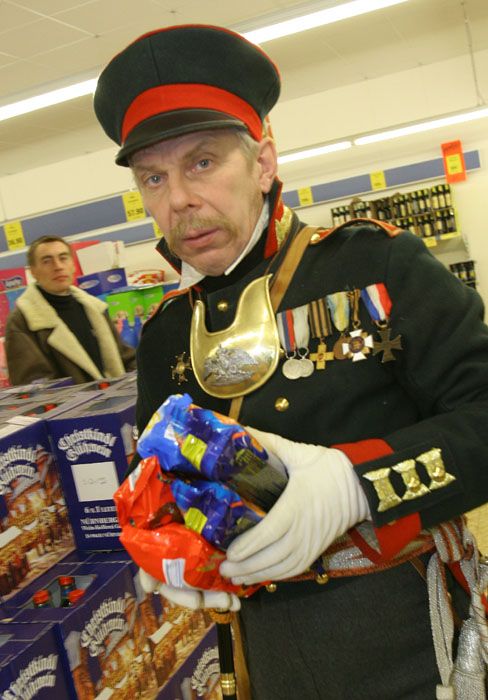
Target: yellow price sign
{"points": [[454, 164], [134, 208], [305, 196], [14, 235], [157, 231], [378, 181]]}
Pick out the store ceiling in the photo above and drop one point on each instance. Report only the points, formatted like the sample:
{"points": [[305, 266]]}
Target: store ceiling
{"points": [[49, 43]]}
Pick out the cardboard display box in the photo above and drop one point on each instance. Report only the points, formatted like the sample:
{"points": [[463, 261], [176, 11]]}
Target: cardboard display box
{"points": [[93, 445], [34, 519], [118, 641], [30, 665], [102, 282]]}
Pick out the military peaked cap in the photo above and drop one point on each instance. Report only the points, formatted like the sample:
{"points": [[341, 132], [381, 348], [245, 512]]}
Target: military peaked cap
{"points": [[182, 79]]}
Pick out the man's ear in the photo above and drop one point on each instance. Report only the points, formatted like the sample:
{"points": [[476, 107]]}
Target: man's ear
{"points": [[268, 163]]}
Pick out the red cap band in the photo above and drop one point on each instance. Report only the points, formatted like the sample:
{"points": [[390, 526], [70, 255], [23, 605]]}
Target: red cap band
{"points": [[170, 98]]}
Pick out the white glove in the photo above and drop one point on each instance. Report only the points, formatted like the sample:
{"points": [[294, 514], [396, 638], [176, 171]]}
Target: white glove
{"points": [[322, 500], [193, 598]]}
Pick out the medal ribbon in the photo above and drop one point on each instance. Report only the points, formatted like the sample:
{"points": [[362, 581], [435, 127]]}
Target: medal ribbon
{"points": [[377, 301], [293, 328], [339, 308], [319, 317]]}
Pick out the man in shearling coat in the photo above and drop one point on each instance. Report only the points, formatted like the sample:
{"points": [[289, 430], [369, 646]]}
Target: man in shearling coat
{"points": [[58, 330]]}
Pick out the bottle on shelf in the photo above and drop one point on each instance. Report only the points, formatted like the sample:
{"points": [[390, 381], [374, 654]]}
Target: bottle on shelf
{"points": [[66, 585], [74, 596], [434, 197], [42, 599]]}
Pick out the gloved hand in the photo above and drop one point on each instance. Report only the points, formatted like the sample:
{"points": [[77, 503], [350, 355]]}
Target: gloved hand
{"points": [[193, 598], [322, 500]]}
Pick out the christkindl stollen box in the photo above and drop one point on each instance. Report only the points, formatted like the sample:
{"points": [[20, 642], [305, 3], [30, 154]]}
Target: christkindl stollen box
{"points": [[34, 520], [93, 446], [116, 640], [30, 665]]}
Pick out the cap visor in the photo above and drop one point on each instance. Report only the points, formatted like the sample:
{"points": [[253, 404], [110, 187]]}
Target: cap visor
{"points": [[171, 124]]}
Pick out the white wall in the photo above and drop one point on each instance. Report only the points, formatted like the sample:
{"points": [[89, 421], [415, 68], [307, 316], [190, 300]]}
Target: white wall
{"points": [[320, 117]]}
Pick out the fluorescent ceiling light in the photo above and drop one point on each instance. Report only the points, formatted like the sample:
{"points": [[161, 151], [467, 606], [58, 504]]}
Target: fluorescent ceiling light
{"points": [[273, 31], [315, 151], [418, 127], [47, 99], [317, 19]]}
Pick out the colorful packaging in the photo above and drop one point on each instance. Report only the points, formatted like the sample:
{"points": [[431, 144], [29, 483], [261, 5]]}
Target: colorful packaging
{"points": [[158, 541], [197, 442]]}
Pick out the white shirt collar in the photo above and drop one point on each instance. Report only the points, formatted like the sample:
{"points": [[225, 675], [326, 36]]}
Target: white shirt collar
{"points": [[190, 276]]}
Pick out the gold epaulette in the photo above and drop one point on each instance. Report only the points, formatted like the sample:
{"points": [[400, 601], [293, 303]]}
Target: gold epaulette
{"points": [[323, 233]]}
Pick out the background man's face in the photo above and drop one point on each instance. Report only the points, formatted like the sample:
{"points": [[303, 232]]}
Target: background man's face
{"points": [[206, 193], [53, 267]]}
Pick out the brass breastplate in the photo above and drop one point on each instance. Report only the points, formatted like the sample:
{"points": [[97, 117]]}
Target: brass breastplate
{"points": [[240, 358]]}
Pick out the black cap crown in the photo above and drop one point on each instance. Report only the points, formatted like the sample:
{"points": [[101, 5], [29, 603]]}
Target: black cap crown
{"points": [[182, 79]]}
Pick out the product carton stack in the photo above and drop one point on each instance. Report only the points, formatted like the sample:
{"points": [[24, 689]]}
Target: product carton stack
{"points": [[118, 642], [63, 453]]}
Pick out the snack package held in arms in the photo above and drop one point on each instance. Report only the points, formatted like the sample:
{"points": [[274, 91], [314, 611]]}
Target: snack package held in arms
{"points": [[154, 535], [213, 510], [197, 442]]}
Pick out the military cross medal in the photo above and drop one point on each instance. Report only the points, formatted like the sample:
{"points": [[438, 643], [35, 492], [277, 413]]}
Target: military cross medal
{"points": [[321, 357], [387, 345]]}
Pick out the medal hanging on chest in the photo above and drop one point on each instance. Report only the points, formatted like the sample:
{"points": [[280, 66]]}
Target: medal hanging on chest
{"points": [[294, 336], [378, 302], [340, 313], [321, 326], [358, 344]]}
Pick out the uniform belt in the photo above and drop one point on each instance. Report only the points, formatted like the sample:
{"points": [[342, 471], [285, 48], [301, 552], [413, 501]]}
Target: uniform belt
{"points": [[356, 553]]}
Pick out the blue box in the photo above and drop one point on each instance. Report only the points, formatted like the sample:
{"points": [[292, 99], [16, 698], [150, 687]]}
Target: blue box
{"points": [[30, 663], [117, 637], [93, 445], [34, 519], [102, 282]]}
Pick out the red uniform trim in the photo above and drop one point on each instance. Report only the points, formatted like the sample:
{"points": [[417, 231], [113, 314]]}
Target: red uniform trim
{"points": [[392, 538], [389, 229], [169, 98]]}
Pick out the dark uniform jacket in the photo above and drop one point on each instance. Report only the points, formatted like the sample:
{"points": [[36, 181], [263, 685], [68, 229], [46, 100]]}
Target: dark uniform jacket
{"points": [[433, 397], [39, 344]]}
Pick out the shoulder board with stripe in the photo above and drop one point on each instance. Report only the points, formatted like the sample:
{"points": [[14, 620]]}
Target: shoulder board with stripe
{"points": [[389, 229]]}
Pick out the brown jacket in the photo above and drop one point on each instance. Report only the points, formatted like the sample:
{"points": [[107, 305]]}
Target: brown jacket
{"points": [[39, 344]]}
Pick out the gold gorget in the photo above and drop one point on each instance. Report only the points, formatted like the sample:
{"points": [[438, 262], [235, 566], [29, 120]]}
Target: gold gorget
{"points": [[239, 359]]}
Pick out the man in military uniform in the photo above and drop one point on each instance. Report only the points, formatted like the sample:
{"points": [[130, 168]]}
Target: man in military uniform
{"points": [[376, 404]]}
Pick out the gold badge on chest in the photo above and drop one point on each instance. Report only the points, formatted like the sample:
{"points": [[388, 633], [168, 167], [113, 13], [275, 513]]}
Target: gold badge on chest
{"points": [[240, 358]]}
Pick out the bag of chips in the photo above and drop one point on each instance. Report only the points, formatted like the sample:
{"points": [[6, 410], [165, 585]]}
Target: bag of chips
{"points": [[196, 442], [155, 536]]}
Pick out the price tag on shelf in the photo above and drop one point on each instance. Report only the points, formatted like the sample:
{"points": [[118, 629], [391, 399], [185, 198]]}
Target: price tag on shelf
{"points": [[305, 196], [378, 181], [14, 235], [134, 208]]}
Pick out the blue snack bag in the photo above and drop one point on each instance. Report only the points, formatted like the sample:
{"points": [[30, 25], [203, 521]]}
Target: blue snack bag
{"points": [[197, 442], [213, 510]]}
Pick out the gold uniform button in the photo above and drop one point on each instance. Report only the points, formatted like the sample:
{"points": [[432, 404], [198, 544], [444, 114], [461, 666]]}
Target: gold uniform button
{"points": [[282, 404], [315, 238], [271, 587], [321, 579], [223, 305]]}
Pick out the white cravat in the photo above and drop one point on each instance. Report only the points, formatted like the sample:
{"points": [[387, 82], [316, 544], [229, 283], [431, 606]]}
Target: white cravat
{"points": [[190, 276]]}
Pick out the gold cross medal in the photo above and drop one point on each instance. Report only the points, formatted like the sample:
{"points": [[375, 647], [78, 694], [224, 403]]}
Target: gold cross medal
{"points": [[378, 303], [294, 335], [321, 326]]}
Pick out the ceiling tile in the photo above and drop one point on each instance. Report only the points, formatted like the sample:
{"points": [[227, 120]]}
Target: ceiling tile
{"points": [[13, 17], [38, 37]]}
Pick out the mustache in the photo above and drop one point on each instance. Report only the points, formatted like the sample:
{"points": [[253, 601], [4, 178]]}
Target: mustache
{"points": [[195, 223]]}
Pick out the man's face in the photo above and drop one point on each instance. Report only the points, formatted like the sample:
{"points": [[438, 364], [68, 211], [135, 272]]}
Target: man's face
{"points": [[206, 193], [53, 267]]}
